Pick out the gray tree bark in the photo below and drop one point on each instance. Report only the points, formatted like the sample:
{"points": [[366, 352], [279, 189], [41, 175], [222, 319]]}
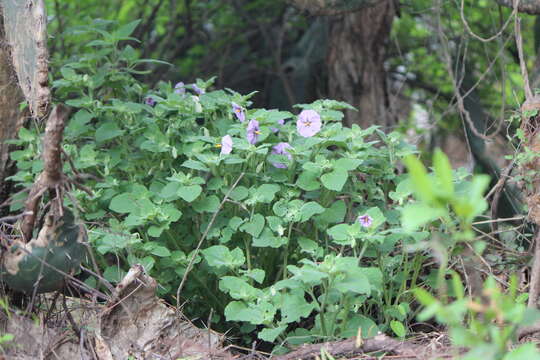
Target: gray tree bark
{"points": [[527, 6], [11, 119], [332, 7], [356, 55]]}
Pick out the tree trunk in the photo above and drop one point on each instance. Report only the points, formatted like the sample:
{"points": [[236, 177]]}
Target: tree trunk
{"points": [[356, 55], [11, 95]]}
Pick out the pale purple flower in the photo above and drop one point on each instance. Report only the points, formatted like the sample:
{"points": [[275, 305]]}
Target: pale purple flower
{"points": [[365, 220], [226, 145], [281, 149], [253, 132], [280, 122], [150, 101], [197, 89], [239, 112], [179, 88], [309, 123]]}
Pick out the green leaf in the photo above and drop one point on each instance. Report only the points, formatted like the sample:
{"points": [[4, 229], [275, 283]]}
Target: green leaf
{"points": [[266, 192], [160, 251], [255, 274], [267, 239], [421, 183], [403, 190], [307, 274], [335, 180], [239, 193], [339, 232], [459, 292], [255, 226], [238, 288], [114, 274], [467, 209], [269, 335], [353, 280], [147, 262], [347, 164], [6, 338], [172, 213], [527, 351], [108, 131], [219, 255], [309, 209], [377, 216], [123, 203], [416, 215], [398, 328], [190, 193], [294, 306], [368, 326], [127, 30], [443, 173], [235, 222], [208, 204], [335, 213], [424, 297], [215, 183], [26, 135], [155, 231], [375, 278], [170, 190], [256, 314], [309, 180], [195, 165], [308, 245], [84, 101], [276, 224]]}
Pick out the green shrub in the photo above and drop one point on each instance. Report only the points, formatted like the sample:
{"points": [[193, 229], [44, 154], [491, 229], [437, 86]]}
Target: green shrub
{"points": [[307, 245]]}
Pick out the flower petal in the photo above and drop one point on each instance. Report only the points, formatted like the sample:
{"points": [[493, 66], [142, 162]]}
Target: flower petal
{"points": [[179, 88], [253, 132], [239, 112], [309, 123], [281, 149], [226, 145]]}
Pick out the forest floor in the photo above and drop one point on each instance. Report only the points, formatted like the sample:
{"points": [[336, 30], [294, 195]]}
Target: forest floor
{"points": [[134, 324]]}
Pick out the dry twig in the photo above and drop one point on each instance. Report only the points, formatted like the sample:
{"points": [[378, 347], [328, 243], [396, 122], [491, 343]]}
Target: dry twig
{"points": [[52, 175], [203, 237]]}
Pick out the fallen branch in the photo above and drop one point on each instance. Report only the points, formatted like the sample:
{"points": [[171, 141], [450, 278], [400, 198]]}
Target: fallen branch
{"points": [[380, 342]]}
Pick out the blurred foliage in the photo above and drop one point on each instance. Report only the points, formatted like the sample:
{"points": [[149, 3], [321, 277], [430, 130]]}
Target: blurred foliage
{"points": [[245, 43]]}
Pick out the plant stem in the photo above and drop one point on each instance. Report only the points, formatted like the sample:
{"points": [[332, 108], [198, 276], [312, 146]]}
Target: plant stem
{"points": [[203, 237], [286, 255]]}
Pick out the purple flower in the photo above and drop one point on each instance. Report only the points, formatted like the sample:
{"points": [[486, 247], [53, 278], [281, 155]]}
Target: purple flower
{"points": [[197, 89], [253, 132], [226, 145], [281, 149], [365, 220], [150, 101], [239, 112], [280, 122], [179, 88], [309, 123]]}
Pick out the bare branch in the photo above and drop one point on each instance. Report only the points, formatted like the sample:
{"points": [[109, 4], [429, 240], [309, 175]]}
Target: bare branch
{"points": [[522, 65], [52, 174], [531, 7]]}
